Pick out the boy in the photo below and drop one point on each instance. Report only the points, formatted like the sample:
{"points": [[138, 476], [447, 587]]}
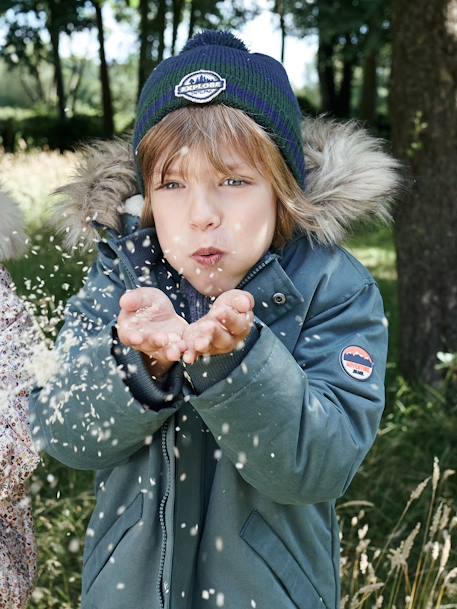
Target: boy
{"points": [[223, 367]]}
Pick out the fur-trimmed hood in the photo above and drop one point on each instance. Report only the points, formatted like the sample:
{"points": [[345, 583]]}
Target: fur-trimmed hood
{"points": [[349, 178], [13, 241]]}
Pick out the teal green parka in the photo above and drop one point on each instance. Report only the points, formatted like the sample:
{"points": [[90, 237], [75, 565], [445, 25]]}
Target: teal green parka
{"points": [[219, 488]]}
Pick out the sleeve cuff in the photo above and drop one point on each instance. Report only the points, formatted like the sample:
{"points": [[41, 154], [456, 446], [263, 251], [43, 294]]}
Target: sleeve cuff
{"points": [[152, 393], [206, 372]]}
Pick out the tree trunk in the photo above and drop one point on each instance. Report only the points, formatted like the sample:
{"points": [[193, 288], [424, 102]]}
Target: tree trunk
{"points": [[177, 16], [161, 26], [145, 59], [424, 90], [282, 25], [108, 121], [369, 95], [37, 94], [30, 91], [40, 91], [343, 108], [192, 19], [58, 74], [73, 95], [326, 72]]}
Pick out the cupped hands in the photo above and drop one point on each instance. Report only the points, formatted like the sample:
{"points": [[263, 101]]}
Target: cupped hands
{"points": [[149, 323]]}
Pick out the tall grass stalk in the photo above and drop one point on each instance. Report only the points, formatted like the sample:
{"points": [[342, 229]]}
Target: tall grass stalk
{"points": [[404, 574]]}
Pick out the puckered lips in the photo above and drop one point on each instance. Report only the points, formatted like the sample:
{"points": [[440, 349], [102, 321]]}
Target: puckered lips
{"points": [[208, 256]]}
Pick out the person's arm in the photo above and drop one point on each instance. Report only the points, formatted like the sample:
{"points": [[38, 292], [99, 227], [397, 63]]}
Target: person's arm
{"points": [[17, 336], [298, 426], [100, 406]]}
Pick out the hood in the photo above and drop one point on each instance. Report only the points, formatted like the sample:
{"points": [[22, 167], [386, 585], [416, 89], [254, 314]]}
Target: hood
{"points": [[13, 240], [349, 178]]}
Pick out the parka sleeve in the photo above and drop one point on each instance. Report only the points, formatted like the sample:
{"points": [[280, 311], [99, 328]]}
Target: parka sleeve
{"points": [[95, 411], [18, 333], [297, 426]]}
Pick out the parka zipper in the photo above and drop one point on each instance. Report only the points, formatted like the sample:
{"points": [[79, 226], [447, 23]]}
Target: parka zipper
{"points": [[255, 270], [126, 264], [163, 550], [163, 527]]}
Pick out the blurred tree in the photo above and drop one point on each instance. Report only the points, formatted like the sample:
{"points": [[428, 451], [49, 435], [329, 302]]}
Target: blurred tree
{"points": [[108, 119], [152, 28], [54, 24], [424, 119], [24, 44], [351, 33], [53, 15], [280, 9], [23, 48], [178, 6], [75, 80], [377, 34]]}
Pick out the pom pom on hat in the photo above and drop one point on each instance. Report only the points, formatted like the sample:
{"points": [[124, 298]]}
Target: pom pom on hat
{"points": [[209, 37]]}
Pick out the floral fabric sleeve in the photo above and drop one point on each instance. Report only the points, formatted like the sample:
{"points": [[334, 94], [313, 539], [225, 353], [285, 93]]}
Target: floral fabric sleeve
{"points": [[18, 336], [18, 458]]}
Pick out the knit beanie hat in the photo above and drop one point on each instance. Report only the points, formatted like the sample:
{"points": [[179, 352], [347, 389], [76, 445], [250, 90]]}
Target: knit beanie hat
{"points": [[217, 68]]}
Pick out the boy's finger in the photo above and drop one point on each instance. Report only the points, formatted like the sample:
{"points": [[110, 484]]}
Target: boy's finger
{"points": [[222, 340], [128, 333], [173, 352], [141, 297], [131, 337], [236, 323], [243, 303], [202, 343], [156, 340], [189, 356]]}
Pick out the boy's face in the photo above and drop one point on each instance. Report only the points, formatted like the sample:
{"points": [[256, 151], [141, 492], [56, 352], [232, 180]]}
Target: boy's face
{"points": [[234, 213]]}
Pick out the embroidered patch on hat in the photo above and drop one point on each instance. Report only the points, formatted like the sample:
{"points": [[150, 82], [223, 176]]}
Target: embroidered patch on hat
{"points": [[357, 362], [201, 86]]}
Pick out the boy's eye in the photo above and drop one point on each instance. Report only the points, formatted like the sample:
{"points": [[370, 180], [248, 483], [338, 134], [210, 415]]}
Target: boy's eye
{"points": [[170, 185], [234, 182]]}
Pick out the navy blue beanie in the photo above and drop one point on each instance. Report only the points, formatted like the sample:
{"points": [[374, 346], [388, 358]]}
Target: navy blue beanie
{"points": [[217, 68]]}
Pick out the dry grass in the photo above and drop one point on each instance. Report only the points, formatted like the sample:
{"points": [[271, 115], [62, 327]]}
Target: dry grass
{"points": [[415, 569], [31, 178]]}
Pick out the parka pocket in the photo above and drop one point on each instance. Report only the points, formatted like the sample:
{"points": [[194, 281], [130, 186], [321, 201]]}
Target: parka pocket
{"points": [[258, 534], [107, 544]]}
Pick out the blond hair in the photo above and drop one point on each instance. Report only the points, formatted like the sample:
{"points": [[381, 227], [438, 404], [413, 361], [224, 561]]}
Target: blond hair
{"points": [[202, 130]]}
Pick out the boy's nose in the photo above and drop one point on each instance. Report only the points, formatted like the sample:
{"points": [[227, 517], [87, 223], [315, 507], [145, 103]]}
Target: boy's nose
{"points": [[203, 213]]}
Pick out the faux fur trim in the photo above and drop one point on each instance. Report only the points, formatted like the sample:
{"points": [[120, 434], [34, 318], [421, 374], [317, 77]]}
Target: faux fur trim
{"points": [[349, 178], [105, 179], [13, 240]]}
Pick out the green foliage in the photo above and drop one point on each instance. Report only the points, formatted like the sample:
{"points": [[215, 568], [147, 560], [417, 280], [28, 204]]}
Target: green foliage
{"points": [[418, 425], [62, 501], [374, 247], [353, 36], [47, 276], [333, 19], [46, 131], [307, 105]]}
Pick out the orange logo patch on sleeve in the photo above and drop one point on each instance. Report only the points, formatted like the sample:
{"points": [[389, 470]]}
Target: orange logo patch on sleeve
{"points": [[357, 362]]}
